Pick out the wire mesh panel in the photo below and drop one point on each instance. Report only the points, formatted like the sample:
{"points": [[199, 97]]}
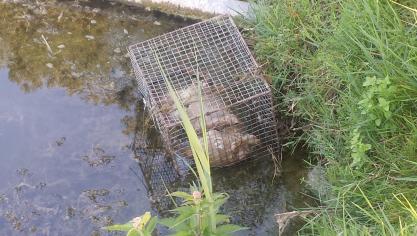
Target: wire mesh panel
{"points": [[160, 174], [160, 177], [210, 59]]}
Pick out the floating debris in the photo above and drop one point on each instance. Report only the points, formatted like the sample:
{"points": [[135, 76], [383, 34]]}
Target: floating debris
{"points": [[93, 22], [284, 220], [70, 213], [14, 220], [47, 44], [93, 194], [61, 46], [49, 65], [125, 31], [23, 172], [60, 16], [60, 141], [157, 23], [117, 50], [3, 198], [89, 37], [21, 186], [98, 157]]}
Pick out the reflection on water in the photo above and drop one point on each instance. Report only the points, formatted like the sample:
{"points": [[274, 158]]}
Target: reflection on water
{"points": [[64, 163], [72, 132]]}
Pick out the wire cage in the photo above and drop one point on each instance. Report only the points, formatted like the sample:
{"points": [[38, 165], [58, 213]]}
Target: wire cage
{"points": [[210, 60], [160, 176]]}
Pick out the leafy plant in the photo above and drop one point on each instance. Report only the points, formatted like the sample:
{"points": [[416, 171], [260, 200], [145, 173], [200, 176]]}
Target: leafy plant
{"points": [[358, 149], [375, 101], [192, 217], [199, 212], [140, 226]]}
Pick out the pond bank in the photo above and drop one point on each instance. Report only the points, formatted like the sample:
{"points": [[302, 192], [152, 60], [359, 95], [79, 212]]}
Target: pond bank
{"points": [[346, 76]]}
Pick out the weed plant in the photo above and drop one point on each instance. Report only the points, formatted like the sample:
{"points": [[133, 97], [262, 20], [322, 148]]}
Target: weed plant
{"points": [[199, 213], [346, 71]]}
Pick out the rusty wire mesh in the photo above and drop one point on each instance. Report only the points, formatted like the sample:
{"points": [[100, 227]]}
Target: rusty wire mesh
{"points": [[237, 102]]}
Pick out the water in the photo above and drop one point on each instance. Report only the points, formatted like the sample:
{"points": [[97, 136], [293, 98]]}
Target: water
{"points": [[72, 129]]}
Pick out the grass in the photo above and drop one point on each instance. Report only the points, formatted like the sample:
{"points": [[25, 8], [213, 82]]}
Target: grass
{"points": [[346, 72]]}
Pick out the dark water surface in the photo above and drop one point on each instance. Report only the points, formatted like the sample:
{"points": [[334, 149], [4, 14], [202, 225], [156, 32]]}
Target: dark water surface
{"points": [[71, 126]]}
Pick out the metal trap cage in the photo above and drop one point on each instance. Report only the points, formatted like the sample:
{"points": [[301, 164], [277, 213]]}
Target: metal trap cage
{"points": [[160, 175], [213, 57]]}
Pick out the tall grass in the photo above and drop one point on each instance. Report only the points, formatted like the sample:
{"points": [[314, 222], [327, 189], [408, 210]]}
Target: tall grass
{"points": [[347, 71]]}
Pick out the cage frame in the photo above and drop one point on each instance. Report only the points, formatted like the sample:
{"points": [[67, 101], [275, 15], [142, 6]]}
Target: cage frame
{"points": [[250, 68]]}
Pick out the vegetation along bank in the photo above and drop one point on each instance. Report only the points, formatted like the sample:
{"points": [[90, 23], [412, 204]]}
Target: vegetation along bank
{"points": [[345, 74]]}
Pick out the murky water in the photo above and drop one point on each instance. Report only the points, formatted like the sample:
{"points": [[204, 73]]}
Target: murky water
{"points": [[72, 131]]}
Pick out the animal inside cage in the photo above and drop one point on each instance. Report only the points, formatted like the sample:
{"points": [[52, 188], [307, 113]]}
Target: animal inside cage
{"points": [[210, 60]]}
